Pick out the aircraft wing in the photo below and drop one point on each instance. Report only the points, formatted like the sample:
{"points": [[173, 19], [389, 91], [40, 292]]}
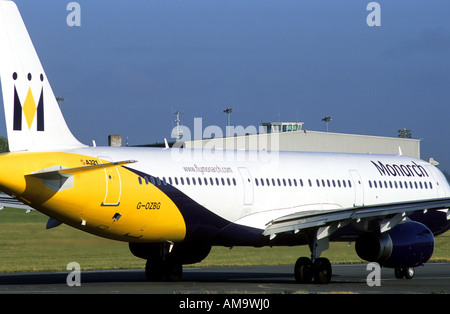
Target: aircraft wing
{"points": [[385, 216], [9, 201]]}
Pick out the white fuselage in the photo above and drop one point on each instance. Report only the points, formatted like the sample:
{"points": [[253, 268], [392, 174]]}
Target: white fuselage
{"points": [[251, 188]]}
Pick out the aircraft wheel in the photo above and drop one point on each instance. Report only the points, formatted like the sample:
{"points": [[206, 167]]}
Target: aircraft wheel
{"points": [[399, 273], [409, 272], [404, 272], [303, 270], [154, 270], [322, 270], [157, 270], [173, 271]]}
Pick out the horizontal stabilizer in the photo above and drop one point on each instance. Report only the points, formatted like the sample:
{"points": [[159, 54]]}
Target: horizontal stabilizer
{"points": [[60, 170], [59, 178]]}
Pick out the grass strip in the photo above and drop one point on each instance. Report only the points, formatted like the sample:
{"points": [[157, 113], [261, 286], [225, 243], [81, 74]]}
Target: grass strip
{"points": [[27, 246]]}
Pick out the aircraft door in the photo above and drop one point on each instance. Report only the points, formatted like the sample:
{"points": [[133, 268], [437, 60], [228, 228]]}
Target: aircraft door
{"points": [[358, 188], [113, 184], [440, 192], [248, 186]]}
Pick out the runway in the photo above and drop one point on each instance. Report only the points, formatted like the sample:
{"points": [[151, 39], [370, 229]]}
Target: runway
{"points": [[432, 278]]}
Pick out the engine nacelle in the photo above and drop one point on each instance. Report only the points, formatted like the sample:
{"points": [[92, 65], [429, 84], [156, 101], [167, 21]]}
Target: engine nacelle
{"points": [[408, 244]]}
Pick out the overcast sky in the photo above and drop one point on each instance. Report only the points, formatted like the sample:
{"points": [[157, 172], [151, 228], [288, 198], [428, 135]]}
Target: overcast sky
{"points": [[132, 63]]}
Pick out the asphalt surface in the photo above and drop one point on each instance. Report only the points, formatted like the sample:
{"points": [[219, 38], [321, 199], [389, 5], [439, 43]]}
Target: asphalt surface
{"points": [[431, 278]]}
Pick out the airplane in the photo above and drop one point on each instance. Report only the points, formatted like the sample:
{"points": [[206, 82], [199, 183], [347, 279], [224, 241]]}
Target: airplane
{"points": [[171, 205]]}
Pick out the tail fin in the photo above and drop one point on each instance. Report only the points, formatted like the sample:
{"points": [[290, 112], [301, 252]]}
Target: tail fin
{"points": [[34, 121]]}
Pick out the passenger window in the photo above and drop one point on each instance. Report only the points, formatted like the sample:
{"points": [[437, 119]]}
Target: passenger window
{"points": [[140, 180]]}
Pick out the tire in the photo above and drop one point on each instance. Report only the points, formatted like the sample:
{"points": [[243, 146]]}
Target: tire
{"points": [[322, 270], [409, 272], [399, 273], [154, 270], [303, 270], [173, 271]]}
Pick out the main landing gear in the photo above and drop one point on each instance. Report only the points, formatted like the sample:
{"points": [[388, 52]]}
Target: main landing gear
{"points": [[165, 260], [159, 269], [162, 262], [317, 268], [320, 270]]}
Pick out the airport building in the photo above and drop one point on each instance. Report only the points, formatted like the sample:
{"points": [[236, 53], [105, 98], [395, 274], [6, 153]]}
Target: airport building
{"points": [[291, 136]]}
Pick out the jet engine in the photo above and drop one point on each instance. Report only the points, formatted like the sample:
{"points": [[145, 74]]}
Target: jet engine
{"points": [[408, 244]]}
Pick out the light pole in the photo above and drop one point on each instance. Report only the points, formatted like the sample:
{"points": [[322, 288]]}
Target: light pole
{"points": [[228, 111], [326, 120]]}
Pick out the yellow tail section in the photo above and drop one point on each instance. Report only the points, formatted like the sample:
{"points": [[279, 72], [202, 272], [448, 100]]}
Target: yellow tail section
{"points": [[61, 186]]}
